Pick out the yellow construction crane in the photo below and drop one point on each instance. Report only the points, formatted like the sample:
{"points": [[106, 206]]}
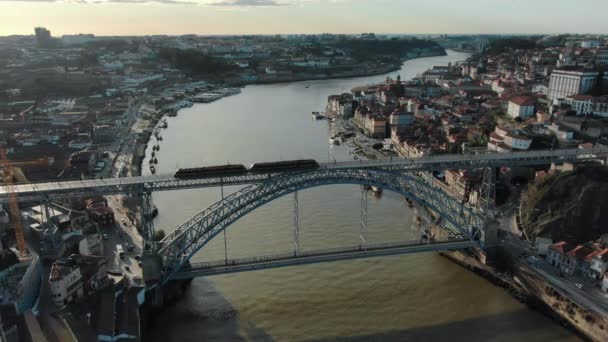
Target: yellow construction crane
{"points": [[15, 214], [13, 203]]}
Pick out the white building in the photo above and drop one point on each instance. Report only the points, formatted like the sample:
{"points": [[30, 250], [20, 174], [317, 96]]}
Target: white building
{"points": [[517, 142], [568, 82], [590, 44], [398, 118], [505, 140], [340, 105], [599, 264], [65, 283], [582, 104], [521, 107]]}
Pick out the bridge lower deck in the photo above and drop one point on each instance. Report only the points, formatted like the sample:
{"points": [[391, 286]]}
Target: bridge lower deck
{"points": [[219, 267]]}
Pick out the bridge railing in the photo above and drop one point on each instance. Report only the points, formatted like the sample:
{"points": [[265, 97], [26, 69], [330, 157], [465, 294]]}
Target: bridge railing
{"points": [[588, 153]]}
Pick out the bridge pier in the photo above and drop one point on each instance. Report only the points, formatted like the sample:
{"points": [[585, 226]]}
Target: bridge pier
{"points": [[363, 224], [296, 225], [158, 299]]}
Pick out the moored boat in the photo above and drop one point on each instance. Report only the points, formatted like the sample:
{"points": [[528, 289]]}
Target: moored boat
{"points": [[376, 189]]}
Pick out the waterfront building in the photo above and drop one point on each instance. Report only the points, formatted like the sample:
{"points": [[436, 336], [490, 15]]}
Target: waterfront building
{"points": [[565, 82], [340, 106], [570, 259], [598, 263]]}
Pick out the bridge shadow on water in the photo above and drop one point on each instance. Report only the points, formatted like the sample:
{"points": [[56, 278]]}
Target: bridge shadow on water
{"points": [[518, 325], [203, 314]]}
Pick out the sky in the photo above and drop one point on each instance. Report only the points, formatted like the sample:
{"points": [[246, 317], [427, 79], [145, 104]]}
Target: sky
{"points": [[211, 17]]}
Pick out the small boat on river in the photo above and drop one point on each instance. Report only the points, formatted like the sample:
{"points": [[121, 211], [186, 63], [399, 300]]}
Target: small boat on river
{"points": [[409, 202], [376, 190]]}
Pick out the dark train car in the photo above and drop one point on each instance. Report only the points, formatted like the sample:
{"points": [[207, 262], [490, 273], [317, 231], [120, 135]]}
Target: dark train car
{"points": [[209, 171], [289, 165]]}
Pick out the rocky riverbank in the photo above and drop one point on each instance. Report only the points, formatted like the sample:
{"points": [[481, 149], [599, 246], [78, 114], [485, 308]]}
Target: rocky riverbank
{"points": [[530, 289]]}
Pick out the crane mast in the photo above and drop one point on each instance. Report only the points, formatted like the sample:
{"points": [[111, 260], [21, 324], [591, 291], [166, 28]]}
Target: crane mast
{"points": [[15, 213]]}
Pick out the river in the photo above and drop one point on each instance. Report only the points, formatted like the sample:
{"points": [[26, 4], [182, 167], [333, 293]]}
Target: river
{"points": [[422, 297]]}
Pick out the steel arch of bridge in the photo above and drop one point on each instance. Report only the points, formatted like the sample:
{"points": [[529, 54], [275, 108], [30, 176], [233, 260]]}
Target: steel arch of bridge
{"points": [[177, 248]]}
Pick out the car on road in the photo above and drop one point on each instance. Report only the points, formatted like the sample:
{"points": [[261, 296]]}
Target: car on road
{"points": [[580, 286], [105, 236]]}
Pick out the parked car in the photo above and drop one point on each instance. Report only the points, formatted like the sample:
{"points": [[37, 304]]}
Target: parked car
{"points": [[105, 236]]}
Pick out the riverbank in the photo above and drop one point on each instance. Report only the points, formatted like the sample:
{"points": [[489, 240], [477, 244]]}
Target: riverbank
{"points": [[345, 75], [144, 140], [527, 287]]}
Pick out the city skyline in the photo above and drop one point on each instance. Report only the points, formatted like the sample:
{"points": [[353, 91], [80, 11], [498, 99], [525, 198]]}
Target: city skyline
{"points": [[226, 17]]}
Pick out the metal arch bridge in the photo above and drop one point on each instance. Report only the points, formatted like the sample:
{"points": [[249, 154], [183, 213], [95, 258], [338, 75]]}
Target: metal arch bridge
{"points": [[176, 249], [74, 188], [396, 175]]}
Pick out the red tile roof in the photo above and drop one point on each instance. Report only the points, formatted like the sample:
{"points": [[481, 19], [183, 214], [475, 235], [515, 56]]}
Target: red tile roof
{"points": [[523, 101], [581, 97]]}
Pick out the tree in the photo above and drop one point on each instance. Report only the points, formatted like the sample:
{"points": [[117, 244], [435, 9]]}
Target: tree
{"points": [[478, 141], [194, 62], [159, 235]]}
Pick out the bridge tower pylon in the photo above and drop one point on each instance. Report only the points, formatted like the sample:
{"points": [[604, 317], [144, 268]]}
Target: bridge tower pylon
{"points": [[487, 193], [147, 221], [487, 206]]}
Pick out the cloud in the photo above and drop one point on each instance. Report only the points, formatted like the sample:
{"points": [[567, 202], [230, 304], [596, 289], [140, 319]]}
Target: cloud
{"points": [[166, 2], [247, 3]]}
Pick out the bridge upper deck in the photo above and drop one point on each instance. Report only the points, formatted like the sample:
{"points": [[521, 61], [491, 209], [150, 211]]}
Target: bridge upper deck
{"points": [[39, 191]]}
